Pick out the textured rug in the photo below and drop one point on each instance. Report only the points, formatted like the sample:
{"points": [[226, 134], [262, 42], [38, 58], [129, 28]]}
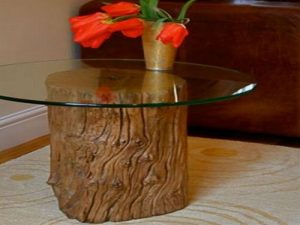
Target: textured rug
{"points": [[230, 183]]}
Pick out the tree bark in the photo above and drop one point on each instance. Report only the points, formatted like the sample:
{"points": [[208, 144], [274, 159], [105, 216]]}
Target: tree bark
{"points": [[116, 164]]}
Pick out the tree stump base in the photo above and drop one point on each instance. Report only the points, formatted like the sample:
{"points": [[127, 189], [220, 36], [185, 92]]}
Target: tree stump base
{"points": [[117, 164]]}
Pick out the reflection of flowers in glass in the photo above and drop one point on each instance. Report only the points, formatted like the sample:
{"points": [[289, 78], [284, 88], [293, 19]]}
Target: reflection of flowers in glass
{"points": [[104, 94], [92, 30]]}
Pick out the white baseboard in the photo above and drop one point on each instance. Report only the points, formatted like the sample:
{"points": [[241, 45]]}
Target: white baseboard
{"points": [[23, 126]]}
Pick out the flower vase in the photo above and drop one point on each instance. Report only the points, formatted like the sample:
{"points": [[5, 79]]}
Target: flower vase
{"points": [[158, 56]]}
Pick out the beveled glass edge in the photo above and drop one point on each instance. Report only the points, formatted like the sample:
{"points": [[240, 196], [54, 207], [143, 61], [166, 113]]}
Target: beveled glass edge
{"points": [[162, 104], [142, 105]]}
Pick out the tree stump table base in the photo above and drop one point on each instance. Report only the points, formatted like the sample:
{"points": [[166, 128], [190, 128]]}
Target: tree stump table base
{"points": [[116, 164]]}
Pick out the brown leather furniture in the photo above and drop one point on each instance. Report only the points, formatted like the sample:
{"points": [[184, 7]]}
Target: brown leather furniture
{"points": [[256, 37]]}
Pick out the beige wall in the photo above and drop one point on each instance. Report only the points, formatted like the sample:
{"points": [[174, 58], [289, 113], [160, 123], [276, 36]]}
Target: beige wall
{"points": [[34, 30]]}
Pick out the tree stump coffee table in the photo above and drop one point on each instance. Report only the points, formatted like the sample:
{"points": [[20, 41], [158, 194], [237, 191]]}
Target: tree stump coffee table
{"points": [[118, 132]]}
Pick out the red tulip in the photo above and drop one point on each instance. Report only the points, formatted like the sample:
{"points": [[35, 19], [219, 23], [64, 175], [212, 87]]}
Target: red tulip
{"points": [[130, 28], [78, 22], [91, 30], [173, 33], [96, 42], [121, 9]]}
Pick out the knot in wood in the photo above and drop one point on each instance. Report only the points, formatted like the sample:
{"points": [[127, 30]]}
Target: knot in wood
{"points": [[92, 182], [151, 179], [139, 142], [116, 183], [123, 141], [146, 158], [126, 163]]}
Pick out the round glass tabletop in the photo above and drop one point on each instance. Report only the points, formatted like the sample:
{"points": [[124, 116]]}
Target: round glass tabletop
{"points": [[119, 83]]}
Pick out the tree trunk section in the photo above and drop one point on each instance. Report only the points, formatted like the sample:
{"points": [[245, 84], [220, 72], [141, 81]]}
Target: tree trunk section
{"points": [[116, 164]]}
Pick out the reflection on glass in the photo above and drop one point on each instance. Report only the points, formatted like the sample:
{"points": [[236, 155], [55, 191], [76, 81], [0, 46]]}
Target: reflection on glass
{"points": [[115, 86], [245, 89]]}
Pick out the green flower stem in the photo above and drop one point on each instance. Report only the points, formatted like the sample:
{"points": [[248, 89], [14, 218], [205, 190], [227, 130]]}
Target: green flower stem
{"points": [[150, 12], [121, 18], [164, 14], [184, 9]]}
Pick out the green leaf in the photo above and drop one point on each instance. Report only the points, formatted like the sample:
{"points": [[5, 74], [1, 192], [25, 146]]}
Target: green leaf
{"points": [[184, 9], [149, 9], [144, 8], [153, 4]]}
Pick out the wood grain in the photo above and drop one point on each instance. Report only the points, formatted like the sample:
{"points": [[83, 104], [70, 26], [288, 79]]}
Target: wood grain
{"points": [[116, 164]]}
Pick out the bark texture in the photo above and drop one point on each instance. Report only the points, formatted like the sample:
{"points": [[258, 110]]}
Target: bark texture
{"points": [[116, 164]]}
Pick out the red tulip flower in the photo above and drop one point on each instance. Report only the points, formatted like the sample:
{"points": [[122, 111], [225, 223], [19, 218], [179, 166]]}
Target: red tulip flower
{"points": [[96, 42], [78, 22], [121, 9], [91, 30], [173, 33], [130, 28]]}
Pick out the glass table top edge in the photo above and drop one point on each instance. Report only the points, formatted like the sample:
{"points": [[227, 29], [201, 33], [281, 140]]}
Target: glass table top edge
{"points": [[252, 86], [165, 104]]}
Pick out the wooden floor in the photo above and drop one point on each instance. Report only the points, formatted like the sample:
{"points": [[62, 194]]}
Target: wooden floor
{"points": [[38, 143], [23, 149]]}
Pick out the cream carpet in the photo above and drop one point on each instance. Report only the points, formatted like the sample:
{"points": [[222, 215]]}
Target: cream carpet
{"points": [[231, 183]]}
